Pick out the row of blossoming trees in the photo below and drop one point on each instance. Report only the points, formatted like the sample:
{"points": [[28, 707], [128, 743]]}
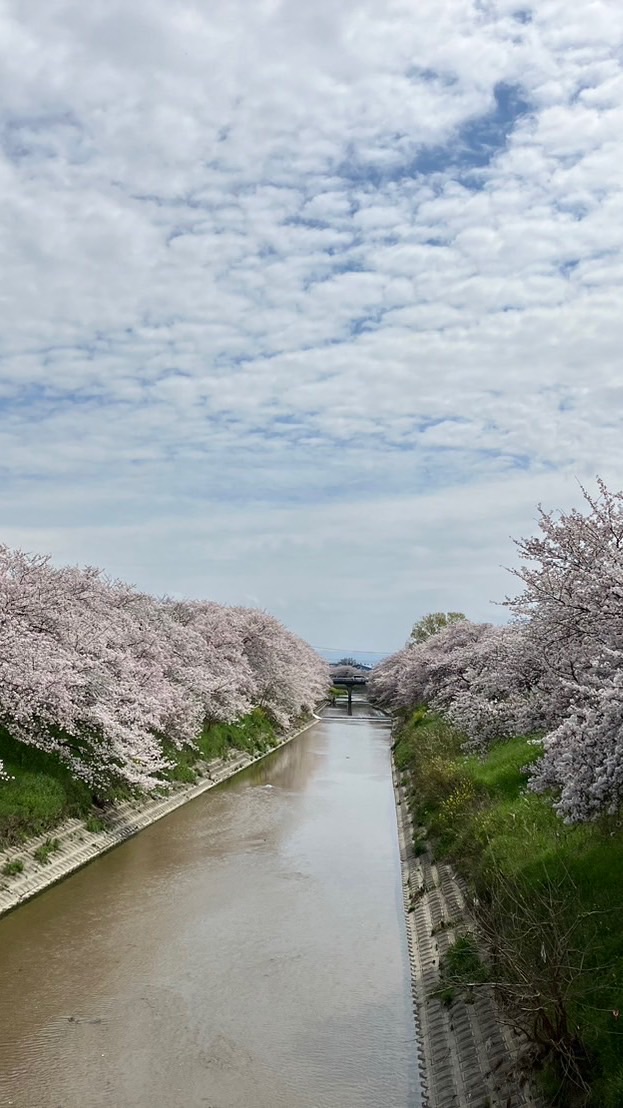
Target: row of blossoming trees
{"points": [[556, 669], [102, 675]]}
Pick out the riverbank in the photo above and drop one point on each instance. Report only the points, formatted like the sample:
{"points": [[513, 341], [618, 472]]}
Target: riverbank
{"points": [[31, 867], [544, 898], [466, 1055]]}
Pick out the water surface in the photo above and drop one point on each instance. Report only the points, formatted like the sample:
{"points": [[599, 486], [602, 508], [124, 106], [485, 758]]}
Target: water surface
{"points": [[247, 951]]}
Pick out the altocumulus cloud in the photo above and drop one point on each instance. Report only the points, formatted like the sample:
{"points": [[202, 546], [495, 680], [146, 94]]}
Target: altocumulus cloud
{"points": [[308, 305]]}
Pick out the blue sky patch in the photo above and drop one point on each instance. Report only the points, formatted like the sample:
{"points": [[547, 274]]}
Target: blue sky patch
{"points": [[479, 140]]}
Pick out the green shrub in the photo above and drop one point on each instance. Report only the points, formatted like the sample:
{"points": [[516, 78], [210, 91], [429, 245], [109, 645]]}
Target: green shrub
{"points": [[11, 869], [94, 824], [44, 852], [462, 965]]}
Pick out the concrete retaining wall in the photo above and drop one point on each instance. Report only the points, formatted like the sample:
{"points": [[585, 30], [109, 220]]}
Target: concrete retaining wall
{"points": [[468, 1057]]}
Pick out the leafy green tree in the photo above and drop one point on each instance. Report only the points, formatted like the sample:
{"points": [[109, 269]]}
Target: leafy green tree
{"points": [[432, 623]]}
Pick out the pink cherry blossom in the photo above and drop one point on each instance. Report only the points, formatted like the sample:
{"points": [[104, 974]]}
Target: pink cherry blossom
{"points": [[99, 673], [556, 669]]}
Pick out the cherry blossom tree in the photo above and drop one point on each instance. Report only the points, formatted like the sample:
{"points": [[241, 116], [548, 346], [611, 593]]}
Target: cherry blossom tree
{"points": [[556, 669], [572, 602], [498, 698], [288, 677], [432, 672], [101, 674], [210, 659], [479, 675], [81, 671]]}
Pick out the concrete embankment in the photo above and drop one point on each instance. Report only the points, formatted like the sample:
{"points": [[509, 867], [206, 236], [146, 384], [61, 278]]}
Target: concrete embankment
{"points": [[77, 846], [467, 1055]]}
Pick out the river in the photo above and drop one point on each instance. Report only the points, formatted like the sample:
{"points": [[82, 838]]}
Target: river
{"points": [[247, 951]]}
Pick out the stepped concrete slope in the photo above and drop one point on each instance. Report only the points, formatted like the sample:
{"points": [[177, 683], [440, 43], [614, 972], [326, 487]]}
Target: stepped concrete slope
{"points": [[77, 846], [468, 1058]]}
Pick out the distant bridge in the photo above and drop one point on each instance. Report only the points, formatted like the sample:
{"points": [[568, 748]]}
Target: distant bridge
{"points": [[357, 681]]}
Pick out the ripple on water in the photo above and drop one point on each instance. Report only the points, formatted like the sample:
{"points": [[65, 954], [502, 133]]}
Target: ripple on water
{"points": [[246, 952]]}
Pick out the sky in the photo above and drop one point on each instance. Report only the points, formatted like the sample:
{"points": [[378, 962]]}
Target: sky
{"points": [[308, 306]]}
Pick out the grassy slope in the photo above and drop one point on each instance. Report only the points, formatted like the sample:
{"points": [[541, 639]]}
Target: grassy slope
{"points": [[478, 814], [42, 792]]}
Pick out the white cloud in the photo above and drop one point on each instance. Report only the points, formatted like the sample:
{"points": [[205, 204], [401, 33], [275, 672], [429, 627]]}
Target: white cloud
{"points": [[259, 315]]}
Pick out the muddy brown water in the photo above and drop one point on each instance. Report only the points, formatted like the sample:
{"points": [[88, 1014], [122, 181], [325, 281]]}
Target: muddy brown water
{"points": [[247, 951]]}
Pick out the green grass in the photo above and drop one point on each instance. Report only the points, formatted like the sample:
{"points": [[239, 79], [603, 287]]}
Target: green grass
{"points": [[44, 852], [460, 969], [40, 795], [501, 773], [94, 825], [255, 734], [11, 869], [515, 850]]}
